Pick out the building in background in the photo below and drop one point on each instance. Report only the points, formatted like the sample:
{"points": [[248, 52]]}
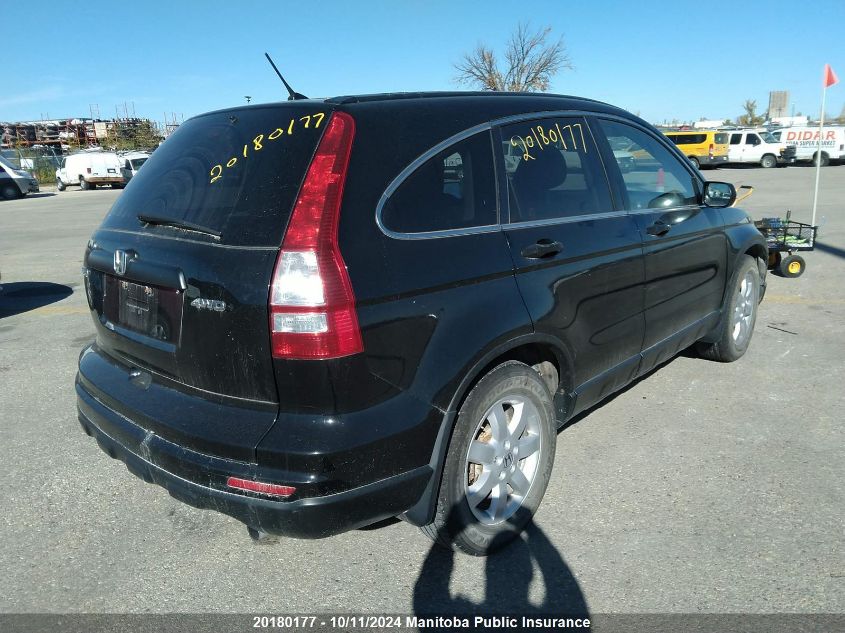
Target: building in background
{"points": [[778, 104]]}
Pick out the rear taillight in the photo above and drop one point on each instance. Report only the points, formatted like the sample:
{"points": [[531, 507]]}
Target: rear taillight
{"points": [[88, 169], [312, 306], [712, 150]]}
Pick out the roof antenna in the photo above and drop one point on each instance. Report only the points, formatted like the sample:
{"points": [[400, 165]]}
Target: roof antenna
{"points": [[293, 96]]}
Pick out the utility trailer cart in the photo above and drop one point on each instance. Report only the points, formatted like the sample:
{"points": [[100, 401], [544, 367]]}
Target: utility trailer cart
{"points": [[785, 238]]}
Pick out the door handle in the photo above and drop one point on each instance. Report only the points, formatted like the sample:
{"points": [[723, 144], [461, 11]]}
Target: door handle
{"points": [[543, 248], [658, 228]]}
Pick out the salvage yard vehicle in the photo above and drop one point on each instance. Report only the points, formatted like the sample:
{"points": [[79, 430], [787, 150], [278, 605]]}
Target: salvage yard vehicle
{"points": [[805, 139], [318, 314], [88, 169], [704, 148], [760, 147], [15, 183], [132, 162]]}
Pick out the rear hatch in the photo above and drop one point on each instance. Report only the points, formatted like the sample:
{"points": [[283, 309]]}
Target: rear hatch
{"points": [[720, 145], [178, 273]]}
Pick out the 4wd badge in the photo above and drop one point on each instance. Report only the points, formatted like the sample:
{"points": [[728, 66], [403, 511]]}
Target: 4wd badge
{"points": [[209, 304]]}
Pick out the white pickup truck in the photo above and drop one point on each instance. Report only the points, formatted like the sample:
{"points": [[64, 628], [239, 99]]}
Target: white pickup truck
{"points": [[760, 147], [805, 139], [89, 169]]}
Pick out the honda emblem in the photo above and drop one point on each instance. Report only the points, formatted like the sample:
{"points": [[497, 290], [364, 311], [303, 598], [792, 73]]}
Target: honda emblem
{"points": [[120, 260]]}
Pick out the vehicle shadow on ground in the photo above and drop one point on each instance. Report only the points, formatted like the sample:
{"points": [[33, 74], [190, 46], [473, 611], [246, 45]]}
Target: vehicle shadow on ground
{"points": [[23, 296], [508, 575], [831, 250]]}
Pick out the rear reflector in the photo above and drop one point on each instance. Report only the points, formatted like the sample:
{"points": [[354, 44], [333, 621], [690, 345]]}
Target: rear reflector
{"points": [[312, 305], [274, 490]]}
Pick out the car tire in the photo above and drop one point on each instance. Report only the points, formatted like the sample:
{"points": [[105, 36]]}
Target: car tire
{"points": [[792, 266], [768, 161], [738, 315], [825, 159], [695, 162], [60, 185], [488, 491], [10, 192], [84, 184]]}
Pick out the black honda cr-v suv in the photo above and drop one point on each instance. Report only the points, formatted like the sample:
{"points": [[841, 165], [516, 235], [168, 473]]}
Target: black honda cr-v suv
{"points": [[317, 314]]}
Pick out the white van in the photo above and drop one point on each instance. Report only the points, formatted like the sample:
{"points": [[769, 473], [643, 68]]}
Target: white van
{"points": [[89, 169], [14, 182], [805, 139], [758, 146], [132, 163]]}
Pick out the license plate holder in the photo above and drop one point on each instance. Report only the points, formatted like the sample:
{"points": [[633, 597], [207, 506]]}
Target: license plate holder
{"points": [[137, 307]]}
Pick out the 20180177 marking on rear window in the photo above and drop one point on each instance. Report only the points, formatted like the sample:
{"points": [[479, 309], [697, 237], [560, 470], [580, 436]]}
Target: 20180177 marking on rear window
{"points": [[216, 172], [539, 138]]}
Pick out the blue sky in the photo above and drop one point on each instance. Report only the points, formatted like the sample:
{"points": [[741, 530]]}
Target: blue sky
{"points": [[665, 60]]}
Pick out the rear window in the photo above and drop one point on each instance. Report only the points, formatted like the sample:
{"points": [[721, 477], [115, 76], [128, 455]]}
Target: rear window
{"points": [[721, 139], [235, 172]]}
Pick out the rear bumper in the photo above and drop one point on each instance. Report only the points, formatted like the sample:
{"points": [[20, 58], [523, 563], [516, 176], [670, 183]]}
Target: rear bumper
{"points": [[104, 180], [348, 472], [146, 456], [712, 160]]}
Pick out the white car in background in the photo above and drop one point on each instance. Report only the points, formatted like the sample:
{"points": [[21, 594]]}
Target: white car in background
{"points": [[758, 146], [132, 162], [805, 139], [89, 169]]}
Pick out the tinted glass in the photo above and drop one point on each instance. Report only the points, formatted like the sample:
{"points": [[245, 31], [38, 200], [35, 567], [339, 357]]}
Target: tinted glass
{"points": [[555, 171], [752, 139], [454, 189], [688, 139], [721, 138], [657, 179], [736, 139], [235, 172]]}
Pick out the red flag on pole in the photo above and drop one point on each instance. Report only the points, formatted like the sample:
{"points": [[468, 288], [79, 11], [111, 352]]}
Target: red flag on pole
{"points": [[830, 77]]}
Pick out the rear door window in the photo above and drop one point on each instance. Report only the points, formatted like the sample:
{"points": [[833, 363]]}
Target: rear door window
{"points": [[233, 172], [454, 189], [721, 139], [554, 170]]}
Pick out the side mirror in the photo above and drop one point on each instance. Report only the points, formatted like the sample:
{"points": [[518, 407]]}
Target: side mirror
{"points": [[719, 194]]}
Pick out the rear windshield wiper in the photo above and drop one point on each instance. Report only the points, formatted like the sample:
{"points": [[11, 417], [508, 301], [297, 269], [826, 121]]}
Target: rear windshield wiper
{"points": [[179, 224]]}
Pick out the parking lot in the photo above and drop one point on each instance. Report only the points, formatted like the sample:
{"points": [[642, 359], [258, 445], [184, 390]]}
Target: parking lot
{"points": [[702, 488]]}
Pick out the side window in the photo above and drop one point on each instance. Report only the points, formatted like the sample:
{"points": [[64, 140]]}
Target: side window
{"points": [[656, 179], [453, 189], [736, 139], [553, 170], [752, 139]]}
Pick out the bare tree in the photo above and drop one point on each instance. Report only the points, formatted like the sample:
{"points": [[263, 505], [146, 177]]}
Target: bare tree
{"points": [[531, 61]]}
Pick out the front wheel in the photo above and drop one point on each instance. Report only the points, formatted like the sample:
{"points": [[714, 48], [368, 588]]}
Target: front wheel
{"points": [[60, 185], [10, 192], [499, 461], [738, 315], [768, 161]]}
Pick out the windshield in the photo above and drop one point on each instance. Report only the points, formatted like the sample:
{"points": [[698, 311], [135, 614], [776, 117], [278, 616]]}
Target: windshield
{"points": [[768, 138], [235, 172], [137, 162]]}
